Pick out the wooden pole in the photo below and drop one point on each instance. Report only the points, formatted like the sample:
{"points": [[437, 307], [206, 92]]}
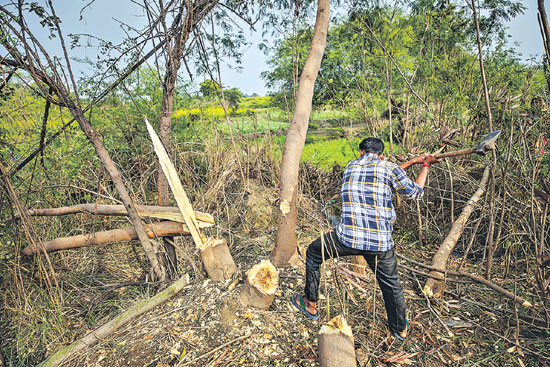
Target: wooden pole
{"points": [[161, 229], [160, 212]]}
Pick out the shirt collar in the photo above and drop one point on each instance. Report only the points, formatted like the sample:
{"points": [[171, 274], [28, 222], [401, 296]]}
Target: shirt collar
{"points": [[370, 156]]}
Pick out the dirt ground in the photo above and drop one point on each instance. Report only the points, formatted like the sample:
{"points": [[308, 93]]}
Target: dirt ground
{"points": [[205, 325]]}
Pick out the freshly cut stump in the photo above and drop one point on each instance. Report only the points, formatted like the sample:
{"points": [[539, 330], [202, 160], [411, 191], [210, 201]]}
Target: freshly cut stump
{"points": [[260, 286], [217, 260], [359, 265], [336, 348]]}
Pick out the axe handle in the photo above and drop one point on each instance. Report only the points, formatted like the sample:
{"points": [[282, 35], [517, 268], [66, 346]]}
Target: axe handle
{"points": [[455, 153]]}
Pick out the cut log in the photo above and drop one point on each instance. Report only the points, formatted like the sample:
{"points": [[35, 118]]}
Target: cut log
{"points": [[67, 353], [217, 260], [169, 213], [260, 286], [160, 229], [434, 286], [336, 347]]}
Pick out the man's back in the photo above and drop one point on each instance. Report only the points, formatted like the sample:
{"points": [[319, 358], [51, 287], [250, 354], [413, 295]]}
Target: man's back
{"points": [[367, 209]]}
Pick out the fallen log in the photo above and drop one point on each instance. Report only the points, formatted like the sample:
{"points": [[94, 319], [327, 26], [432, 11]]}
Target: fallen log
{"points": [[260, 286], [336, 347], [434, 286], [68, 352], [160, 229], [160, 212]]}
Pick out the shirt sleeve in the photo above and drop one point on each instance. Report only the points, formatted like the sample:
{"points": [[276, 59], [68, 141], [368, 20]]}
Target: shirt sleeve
{"points": [[404, 185]]}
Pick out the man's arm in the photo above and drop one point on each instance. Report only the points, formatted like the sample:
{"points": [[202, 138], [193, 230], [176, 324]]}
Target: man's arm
{"points": [[424, 159]]}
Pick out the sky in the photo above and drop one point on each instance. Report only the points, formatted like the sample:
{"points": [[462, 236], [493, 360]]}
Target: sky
{"points": [[101, 19]]}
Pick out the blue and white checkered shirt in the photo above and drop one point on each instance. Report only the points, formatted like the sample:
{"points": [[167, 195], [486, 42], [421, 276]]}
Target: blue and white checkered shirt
{"points": [[367, 210]]}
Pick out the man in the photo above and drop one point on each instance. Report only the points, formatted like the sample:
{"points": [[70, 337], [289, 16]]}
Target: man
{"points": [[366, 226]]}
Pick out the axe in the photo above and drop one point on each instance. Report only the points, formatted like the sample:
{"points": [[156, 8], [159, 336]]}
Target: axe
{"points": [[487, 144]]}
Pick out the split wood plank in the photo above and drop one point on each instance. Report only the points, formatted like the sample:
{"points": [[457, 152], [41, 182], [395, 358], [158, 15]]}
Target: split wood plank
{"points": [[171, 174]]}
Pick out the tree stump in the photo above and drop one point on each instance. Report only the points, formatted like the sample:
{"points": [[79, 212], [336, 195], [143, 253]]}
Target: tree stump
{"points": [[359, 265], [260, 286], [336, 347], [217, 260]]}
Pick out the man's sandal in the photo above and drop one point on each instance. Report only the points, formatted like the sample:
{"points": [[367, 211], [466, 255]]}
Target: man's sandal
{"points": [[399, 337], [302, 307]]}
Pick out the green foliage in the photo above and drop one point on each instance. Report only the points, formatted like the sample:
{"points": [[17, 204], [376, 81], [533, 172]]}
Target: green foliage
{"points": [[209, 88], [431, 42]]}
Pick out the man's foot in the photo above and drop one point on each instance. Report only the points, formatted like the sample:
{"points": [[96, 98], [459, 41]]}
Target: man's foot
{"points": [[305, 306], [402, 335]]}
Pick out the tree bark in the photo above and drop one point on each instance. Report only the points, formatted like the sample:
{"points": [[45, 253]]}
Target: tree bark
{"points": [[104, 331], [286, 237], [161, 229], [217, 260], [545, 30], [434, 286], [545, 27]]}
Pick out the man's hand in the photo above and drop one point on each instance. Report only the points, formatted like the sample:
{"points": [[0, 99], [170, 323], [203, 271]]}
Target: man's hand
{"points": [[429, 159], [420, 159], [424, 158]]}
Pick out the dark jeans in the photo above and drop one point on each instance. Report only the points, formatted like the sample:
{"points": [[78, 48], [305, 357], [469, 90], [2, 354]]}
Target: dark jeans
{"points": [[382, 263]]}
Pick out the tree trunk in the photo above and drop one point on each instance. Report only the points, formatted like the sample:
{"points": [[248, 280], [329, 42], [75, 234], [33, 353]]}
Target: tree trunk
{"points": [[169, 258], [359, 265], [545, 27], [158, 272], [434, 286], [545, 30], [336, 346], [286, 237], [154, 230]]}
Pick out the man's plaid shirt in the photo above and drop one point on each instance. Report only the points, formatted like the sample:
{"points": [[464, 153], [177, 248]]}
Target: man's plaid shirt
{"points": [[367, 210]]}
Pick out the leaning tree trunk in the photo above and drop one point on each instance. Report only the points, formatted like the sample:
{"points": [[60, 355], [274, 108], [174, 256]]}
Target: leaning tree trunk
{"points": [[295, 138], [434, 286], [158, 271], [65, 354]]}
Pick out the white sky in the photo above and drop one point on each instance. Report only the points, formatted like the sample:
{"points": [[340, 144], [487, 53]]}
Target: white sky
{"points": [[99, 19]]}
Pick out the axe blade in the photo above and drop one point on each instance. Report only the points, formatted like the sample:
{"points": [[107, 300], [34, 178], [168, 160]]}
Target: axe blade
{"points": [[488, 143]]}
